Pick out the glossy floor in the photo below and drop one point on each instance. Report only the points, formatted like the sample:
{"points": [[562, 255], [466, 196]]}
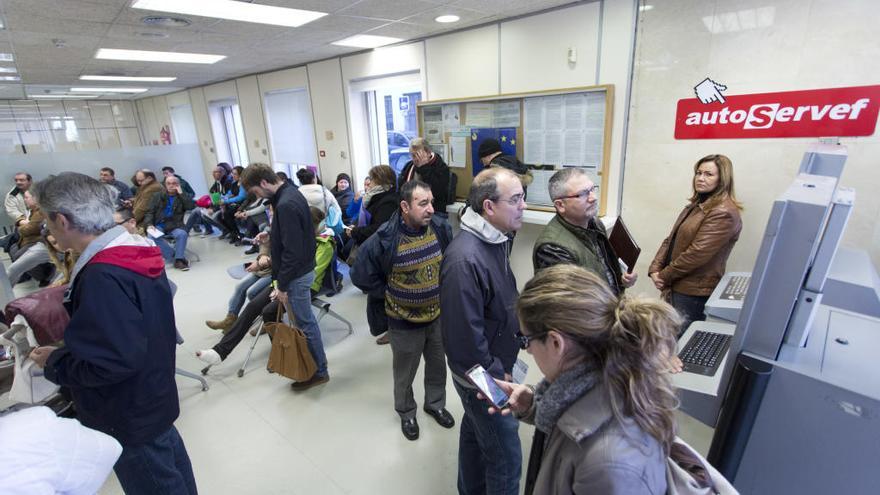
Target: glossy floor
{"points": [[254, 435]]}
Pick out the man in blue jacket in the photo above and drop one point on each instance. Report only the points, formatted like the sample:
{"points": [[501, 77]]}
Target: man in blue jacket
{"points": [[478, 294], [292, 241], [401, 264], [118, 357]]}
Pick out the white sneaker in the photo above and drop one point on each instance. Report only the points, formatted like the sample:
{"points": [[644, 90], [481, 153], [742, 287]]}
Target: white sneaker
{"points": [[209, 356]]}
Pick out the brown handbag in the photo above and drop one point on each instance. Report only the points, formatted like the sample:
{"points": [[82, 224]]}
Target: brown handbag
{"points": [[290, 356]]}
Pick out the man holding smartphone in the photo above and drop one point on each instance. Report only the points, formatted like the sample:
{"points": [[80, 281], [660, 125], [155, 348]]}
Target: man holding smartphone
{"points": [[478, 294], [401, 264]]}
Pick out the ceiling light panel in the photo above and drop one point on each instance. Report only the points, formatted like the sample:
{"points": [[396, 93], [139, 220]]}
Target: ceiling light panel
{"points": [[367, 41], [446, 19], [151, 56], [62, 96], [10, 78], [8, 70], [6, 57], [233, 11], [108, 90], [125, 78]]}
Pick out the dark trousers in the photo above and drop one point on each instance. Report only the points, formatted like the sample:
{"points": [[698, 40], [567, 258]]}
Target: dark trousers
{"points": [[160, 466], [407, 348], [254, 308], [227, 218], [691, 308], [489, 451]]}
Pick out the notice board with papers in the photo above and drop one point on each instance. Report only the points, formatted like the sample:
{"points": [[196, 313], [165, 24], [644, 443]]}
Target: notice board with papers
{"points": [[548, 130]]}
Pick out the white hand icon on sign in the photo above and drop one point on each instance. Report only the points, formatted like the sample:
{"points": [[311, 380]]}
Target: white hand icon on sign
{"points": [[708, 91]]}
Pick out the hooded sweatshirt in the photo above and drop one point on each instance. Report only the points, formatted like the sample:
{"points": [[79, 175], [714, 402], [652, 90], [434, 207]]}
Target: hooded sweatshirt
{"points": [[119, 355], [477, 297]]}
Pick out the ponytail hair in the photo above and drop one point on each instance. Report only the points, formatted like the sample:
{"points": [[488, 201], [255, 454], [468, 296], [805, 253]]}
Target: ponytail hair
{"points": [[630, 341]]}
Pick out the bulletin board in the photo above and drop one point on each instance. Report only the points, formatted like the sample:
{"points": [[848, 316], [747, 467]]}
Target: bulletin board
{"points": [[548, 130]]}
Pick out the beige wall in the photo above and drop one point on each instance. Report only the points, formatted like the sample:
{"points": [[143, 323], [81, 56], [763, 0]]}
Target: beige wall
{"points": [[810, 44]]}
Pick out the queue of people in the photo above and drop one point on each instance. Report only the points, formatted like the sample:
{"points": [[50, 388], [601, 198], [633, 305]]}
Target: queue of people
{"points": [[603, 412]]}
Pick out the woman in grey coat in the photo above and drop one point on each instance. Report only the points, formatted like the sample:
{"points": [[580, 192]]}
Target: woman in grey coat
{"points": [[603, 413]]}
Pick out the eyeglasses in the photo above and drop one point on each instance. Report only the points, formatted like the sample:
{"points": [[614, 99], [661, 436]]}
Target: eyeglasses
{"points": [[525, 340], [580, 195], [514, 200]]}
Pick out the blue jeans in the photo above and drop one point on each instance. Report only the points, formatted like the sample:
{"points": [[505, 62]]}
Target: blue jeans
{"points": [[158, 467], [249, 287], [489, 452], [177, 252], [300, 297]]}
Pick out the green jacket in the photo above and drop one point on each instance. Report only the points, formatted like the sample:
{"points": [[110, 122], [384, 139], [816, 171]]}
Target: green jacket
{"points": [[323, 256], [562, 242]]}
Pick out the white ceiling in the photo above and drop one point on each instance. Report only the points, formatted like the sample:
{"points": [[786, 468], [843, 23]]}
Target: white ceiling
{"points": [[83, 26]]}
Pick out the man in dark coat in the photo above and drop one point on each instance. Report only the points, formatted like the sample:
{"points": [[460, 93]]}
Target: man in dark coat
{"points": [[292, 241], [118, 358], [165, 213], [429, 168], [477, 298]]}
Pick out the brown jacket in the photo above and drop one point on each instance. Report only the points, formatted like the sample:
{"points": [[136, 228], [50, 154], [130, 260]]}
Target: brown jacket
{"points": [[30, 231], [702, 245], [141, 203], [590, 452]]}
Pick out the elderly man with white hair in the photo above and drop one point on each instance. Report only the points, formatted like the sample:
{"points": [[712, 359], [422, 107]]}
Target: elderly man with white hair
{"points": [[118, 356]]}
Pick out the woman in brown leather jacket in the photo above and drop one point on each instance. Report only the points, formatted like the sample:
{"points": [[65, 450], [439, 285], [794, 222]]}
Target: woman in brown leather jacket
{"points": [[693, 257]]}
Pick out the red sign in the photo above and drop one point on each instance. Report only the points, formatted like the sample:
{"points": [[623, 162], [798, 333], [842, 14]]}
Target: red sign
{"points": [[811, 113]]}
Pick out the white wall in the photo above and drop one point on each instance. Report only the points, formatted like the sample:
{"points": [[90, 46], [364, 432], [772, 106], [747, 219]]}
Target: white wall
{"points": [[250, 102], [329, 110], [463, 64]]}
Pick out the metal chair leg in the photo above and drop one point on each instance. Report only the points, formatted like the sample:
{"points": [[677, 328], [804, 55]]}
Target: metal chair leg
{"points": [[194, 377]]}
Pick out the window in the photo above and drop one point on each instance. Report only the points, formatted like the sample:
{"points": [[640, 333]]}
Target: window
{"points": [[228, 132], [384, 120], [291, 134]]}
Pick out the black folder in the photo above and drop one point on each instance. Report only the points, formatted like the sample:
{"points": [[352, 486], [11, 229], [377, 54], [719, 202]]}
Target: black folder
{"points": [[624, 245]]}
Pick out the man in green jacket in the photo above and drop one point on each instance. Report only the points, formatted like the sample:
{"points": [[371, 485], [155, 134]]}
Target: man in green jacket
{"points": [[575, 235]]}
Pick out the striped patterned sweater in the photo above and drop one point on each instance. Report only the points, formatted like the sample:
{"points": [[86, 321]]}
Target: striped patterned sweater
{"points": [[412, 297]]}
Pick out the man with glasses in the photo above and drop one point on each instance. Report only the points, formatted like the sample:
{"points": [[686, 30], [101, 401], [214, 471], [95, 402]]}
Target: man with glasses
{"points": [[477, 296], [575, 236]]}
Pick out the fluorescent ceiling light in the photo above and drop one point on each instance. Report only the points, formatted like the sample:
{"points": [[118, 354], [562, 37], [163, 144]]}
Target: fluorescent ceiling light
{"points": [[151, 56], [367, 41], [233, 11], [643, 8], [10, 78], [108, 90], [8, 70], [445, 19], [6, 57], [72, 97], [126, 78]]}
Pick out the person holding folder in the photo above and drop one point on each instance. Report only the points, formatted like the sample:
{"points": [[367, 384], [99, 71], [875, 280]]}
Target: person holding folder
{"points": [[575, 236]]}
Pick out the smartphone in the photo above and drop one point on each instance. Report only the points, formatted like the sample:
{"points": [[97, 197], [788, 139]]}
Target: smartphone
{"points": [[487, 386]]}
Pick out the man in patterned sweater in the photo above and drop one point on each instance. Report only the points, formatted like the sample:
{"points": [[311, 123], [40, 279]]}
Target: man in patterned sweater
{"points": [[401, 262]]}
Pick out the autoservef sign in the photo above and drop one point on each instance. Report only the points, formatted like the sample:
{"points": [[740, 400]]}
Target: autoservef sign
{"points": [[811, 113]]}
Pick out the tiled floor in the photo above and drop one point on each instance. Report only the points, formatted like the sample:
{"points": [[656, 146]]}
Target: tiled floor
{"points": [[254, 435]]}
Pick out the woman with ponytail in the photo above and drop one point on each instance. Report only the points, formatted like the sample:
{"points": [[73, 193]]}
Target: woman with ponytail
{"points": [[604, 411]]}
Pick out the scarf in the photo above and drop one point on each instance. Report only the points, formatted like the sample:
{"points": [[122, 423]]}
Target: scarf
{"points": [[553, 399], [372, 191]]}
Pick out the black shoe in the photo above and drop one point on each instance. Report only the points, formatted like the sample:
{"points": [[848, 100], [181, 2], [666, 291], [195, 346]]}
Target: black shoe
{"points": [[410, 428], [442, 417], [224, 235], [253, 250]]}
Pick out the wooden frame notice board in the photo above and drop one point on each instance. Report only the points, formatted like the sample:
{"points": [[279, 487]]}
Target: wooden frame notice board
{"points": [[548, 130]]}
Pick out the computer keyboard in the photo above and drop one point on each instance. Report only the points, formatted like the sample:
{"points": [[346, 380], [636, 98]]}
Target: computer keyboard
{"points": [[736, 288], [703, 353]]}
